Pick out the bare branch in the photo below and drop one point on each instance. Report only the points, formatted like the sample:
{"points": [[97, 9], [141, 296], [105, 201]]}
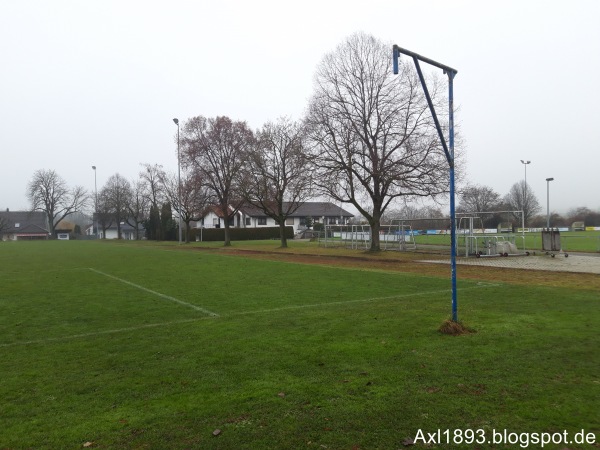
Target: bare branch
{"points": [[49, 193], [372, 133]]}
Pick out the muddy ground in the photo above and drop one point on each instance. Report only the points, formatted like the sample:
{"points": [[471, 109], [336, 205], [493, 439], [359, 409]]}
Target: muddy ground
{"points": [[414, 263]]}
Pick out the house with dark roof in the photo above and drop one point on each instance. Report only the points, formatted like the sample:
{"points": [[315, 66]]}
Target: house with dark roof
{"points": [[252, 217], [23, 225]]}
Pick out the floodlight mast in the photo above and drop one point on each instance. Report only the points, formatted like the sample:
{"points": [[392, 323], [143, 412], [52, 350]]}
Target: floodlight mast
{"points": [[448, 149]]}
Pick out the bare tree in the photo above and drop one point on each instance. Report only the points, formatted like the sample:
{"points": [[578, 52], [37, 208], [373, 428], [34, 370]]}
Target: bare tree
{"points": [[477, 198], [151, 176], [583, 214], [138, 206], [216, 149], [195, 197], [520, 198], [277, 176], [579, 213], [49, 193], [116, 194], [104, 215], [373, 132]]}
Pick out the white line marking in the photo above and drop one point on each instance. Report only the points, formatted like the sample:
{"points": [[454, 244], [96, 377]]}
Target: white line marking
{"points": [[284, 308], [177, 322], [166, 297], [100, 333]]}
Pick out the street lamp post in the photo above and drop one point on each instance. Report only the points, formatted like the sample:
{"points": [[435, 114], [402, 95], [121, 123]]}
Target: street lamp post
{"points": [[96, 202], [178, 178], [525, 163], [548, 180]]}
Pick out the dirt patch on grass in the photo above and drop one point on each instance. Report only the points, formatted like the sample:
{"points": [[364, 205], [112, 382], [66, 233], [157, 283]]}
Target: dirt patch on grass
{"points": [[453, 328], [413, 263]]}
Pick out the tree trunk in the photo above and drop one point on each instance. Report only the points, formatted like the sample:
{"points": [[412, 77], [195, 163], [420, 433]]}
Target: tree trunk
{"points": [[282, 234], [187, 232], [375, 242], [227, 242]]}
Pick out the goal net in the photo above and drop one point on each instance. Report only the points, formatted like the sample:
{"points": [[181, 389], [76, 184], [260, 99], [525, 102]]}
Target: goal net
{"points": [[478, 234]]}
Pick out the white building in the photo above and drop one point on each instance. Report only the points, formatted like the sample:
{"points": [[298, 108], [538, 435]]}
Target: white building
{"points": [[251, 217]]}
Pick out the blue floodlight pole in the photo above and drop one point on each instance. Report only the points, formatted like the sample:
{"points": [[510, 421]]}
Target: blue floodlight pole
{"points": [[448, 150]]}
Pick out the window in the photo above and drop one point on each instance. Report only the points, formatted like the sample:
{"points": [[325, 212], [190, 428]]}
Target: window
{"points": [[248, 221], [262, 221], [17, 225], [215, 221], [289, 221], [332, 220]]}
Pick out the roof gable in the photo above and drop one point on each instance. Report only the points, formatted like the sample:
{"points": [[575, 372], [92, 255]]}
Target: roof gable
{"points": [[29, 222], [307, 209]]}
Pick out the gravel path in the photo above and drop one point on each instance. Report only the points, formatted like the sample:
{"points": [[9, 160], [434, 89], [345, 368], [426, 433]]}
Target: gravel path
{"points": [[574, 263]]}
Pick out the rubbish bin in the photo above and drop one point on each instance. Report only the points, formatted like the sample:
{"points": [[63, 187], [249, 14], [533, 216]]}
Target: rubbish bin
{"points": [[551, 240]]}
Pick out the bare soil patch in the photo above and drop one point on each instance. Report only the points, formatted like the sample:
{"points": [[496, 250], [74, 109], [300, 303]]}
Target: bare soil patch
{"points": [[413, 263]]}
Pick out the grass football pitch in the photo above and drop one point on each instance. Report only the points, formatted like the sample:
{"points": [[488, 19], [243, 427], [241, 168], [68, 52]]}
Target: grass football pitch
{"points": [[136, 345]]}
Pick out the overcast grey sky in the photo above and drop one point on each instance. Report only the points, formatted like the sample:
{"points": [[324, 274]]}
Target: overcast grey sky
{"points": [[98, 82]]}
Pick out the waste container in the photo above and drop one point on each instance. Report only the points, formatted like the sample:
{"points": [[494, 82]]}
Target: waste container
{"points": [[551, 241]]}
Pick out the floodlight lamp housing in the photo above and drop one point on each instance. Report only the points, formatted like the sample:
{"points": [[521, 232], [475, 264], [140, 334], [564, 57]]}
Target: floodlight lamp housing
{"points": [[94, 167], [176, 121], [549, 179]]}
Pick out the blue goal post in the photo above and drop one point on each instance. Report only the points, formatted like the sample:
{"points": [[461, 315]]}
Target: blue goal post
{"points": [[448, 148]]}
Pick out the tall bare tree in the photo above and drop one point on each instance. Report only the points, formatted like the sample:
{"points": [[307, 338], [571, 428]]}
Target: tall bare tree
{"points": [[477, 198], [104, 216], [151, 176], [48, 192], [194, 194], [138, 206], [277, 176], [480, 199], [216, 148], [521, 198], [116, 194], [373, 132]]}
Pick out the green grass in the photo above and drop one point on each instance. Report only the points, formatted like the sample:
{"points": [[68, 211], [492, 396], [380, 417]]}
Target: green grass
{"points": [[298, 356]]}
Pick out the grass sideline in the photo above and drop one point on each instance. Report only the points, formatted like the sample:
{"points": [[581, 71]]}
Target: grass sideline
{"points": [[300, 355]]}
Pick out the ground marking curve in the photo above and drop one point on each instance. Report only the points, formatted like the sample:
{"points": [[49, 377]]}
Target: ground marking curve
{"points": [[166, 297]]}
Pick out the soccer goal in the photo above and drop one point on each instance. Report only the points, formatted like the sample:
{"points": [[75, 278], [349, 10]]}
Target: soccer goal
{"points": [[491, 233], [478, 234], [396, 236]]}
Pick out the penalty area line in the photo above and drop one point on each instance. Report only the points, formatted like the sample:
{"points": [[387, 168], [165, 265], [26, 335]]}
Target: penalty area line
{"points": [[158, 294], [361, 300], [100, 333]]}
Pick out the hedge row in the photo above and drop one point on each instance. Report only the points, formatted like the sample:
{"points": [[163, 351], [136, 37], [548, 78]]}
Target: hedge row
{"points": [[240, 234]]}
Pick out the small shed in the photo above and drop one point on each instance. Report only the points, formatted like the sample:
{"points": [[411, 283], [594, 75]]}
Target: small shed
{"points": [[63, 234]]}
